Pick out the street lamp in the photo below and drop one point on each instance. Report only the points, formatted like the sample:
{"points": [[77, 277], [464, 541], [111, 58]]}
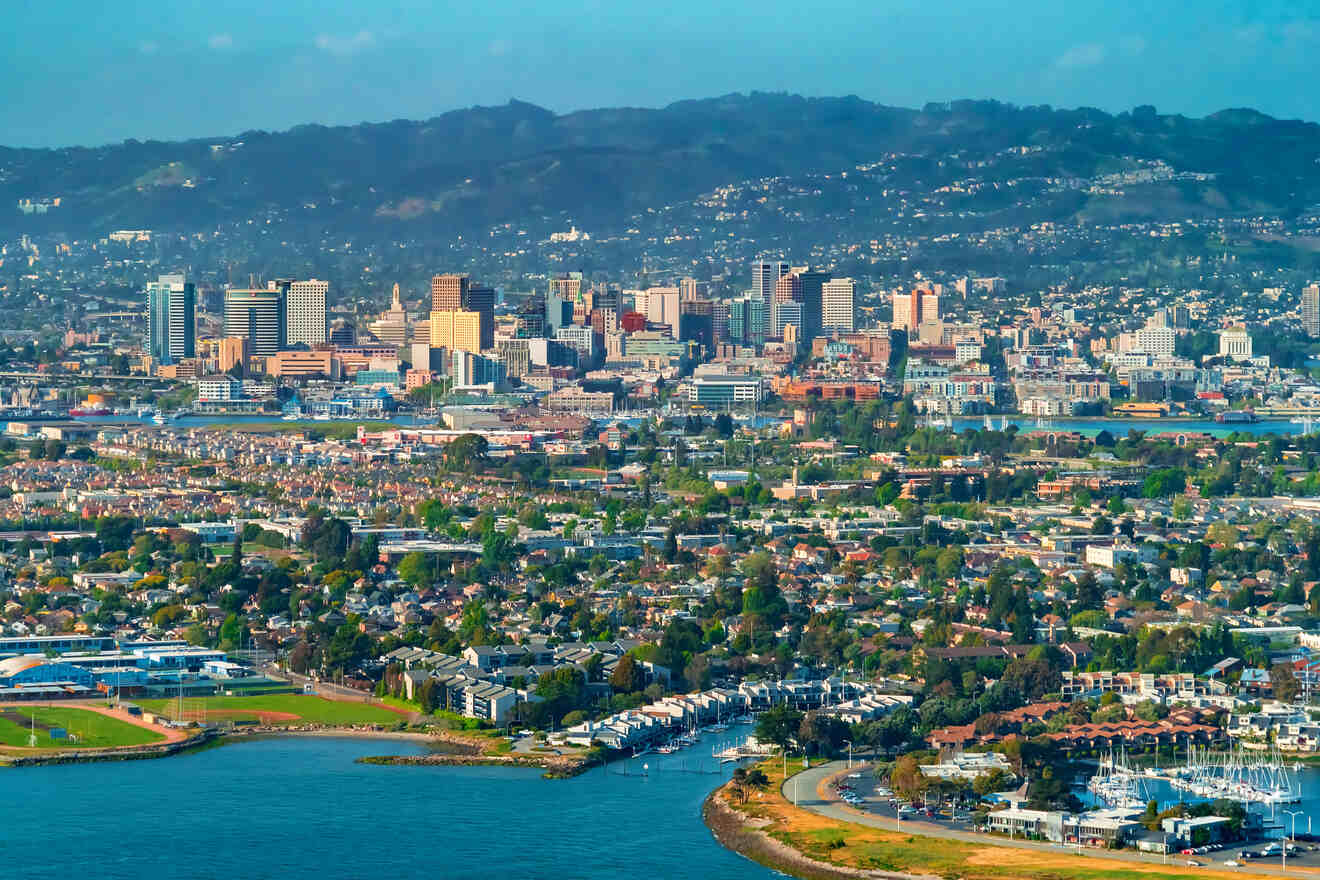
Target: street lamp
{"points": [[1294, 814], [850, 745]]}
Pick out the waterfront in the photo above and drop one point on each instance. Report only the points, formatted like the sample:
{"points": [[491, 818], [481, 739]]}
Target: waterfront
{"points": [[264, 808]]}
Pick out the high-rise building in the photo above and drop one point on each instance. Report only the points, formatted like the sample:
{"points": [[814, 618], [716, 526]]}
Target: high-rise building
{"points": [[449, 292], [391, 327], [567, 287], [764, 278], [171, 319], [690, 289], [458, 293], [748, 320], [456, 330], [232, 351], [914, 308], [838, 312], [1311, 309], [304, 306], [783, 314], [481, 299], [257, 315], [660, 305], [788, 288], [813, 286]]}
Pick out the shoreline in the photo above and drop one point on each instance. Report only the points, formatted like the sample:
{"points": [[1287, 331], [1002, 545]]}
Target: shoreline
{"points": [[447, 749], [732, 831]]}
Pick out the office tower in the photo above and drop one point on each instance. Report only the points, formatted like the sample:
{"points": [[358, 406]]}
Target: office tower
{"points": [[304, 307], [788, 288], [783, 314], [737, 326], [690, 289], [911, 309], [930, 307], [1311, 309], [342, 332], [232, 351], [720, 320], [516, 354], [757, 321], [567, 288], [696, 323], [456, 330], [660, 305], [532, 316], [257, 315], [481, 300], [811, 296], [449, 292], [457, 293], [171, 319], [838, 312], [764, 278]]}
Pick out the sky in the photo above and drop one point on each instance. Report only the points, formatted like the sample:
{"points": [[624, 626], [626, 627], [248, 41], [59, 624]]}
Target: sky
{"points": [[87, 72]]}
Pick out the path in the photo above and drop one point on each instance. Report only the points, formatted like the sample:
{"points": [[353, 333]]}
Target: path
{"points": [[810, 789]]}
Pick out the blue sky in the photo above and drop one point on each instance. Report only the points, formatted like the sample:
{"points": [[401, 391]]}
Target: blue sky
{"points": [[88, 72]]}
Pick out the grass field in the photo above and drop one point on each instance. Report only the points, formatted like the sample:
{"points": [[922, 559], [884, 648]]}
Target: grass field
{"points": [[273, 709], [851, 845], [86, 729]]}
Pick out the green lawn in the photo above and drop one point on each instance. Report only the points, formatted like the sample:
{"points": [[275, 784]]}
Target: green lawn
{"points": [[86, 729], [273, 709]]}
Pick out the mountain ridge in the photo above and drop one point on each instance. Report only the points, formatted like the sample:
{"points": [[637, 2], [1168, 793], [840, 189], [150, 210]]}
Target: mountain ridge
{"points": [[474, 167]]}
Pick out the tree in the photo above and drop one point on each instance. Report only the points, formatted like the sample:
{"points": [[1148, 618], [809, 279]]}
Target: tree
{"points": [[747, 780], [417, 569], [628, 676], [823, 734], [778, 725], [1284, 683], [466, 453], [993, 780], [300, 657]]}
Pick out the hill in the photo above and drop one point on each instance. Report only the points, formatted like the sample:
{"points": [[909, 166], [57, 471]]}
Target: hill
{"points": [[468, 169]]}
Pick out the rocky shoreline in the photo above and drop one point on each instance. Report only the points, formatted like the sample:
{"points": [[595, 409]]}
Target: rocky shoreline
{"points": [[732, 830], [131, 753], [555, 767]]}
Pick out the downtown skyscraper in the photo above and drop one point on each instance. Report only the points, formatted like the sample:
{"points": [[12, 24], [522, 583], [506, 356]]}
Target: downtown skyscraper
{"points": [[171, 319]]}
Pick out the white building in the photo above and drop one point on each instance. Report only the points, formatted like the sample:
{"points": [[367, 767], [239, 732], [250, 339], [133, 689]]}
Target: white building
{"points": [[836, 304], [1235, 343], [1158, 341], [219, 389], [304, 305]]}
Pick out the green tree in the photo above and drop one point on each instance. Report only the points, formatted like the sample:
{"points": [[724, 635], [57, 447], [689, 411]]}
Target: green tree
{"points": [[466, 453], [779, 725], [628, 676]]}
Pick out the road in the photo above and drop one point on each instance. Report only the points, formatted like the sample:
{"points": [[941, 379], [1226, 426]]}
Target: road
{"points": [[809, 791]]}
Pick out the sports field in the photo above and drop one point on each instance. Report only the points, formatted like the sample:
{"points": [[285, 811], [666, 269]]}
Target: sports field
{"points": [[85, 729], [274, 709]]}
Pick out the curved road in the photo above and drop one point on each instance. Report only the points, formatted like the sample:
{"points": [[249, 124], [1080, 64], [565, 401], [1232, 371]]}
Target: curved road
{"points": [[808, 790]]}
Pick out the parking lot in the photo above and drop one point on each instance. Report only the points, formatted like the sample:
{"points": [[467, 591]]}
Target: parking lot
{"points": [[861, 791]]}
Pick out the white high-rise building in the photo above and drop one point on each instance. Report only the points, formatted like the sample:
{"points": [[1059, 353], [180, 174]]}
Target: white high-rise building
{"points": [[1311, 310], [304, 303], [836, 305], [764, 278], [1158, 341]]}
